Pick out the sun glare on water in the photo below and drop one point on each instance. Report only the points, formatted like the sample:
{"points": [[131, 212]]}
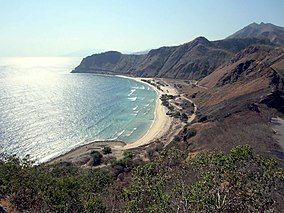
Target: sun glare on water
{"points": [[33, 70]]}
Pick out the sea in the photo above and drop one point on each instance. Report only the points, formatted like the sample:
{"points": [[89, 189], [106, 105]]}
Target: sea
{"points": [[46, 111]]}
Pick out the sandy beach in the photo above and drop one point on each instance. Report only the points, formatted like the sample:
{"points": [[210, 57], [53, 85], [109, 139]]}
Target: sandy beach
{"points": [[161, 122], [160, 126]]}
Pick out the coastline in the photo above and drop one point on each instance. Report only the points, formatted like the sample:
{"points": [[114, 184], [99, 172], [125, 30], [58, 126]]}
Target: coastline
{"points": [[159, 127], [161, 122]]}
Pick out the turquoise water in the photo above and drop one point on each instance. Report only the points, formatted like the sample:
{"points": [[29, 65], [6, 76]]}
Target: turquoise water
{"points": [[45, 110]]}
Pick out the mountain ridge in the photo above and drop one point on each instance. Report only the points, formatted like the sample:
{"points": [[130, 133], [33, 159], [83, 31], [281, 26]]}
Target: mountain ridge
{"points": [[192, 60], [263, 30]]}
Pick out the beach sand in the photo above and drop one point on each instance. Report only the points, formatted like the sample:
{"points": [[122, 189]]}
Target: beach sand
{"points": [[161, 122]]}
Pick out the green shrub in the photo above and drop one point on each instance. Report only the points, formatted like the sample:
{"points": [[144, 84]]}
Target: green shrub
{"points": [[95, 205], [128, 154], [106, 150], [97, 158], [239, 181]]}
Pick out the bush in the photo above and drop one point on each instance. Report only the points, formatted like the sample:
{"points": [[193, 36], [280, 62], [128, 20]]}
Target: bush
{"points": [[203, 118], [95, 205], [176, 114], [236, 182], [106, 150], [177, 138], [184, 117], [123, 165], [63, 195], [239, 181], [128, 154], [188, 133], [97, 158], [109, 159]]}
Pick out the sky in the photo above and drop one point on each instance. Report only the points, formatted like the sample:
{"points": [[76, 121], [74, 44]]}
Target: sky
{"points": [[70, 27]]}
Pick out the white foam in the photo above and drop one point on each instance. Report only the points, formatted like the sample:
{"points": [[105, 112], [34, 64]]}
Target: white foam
{"points": [[132, 91], [133, 98], [131, 132], [136, 112], [134, 108], [119, 134], [142, 87]]}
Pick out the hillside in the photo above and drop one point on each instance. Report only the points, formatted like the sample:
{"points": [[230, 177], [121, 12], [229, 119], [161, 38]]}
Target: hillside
{"points": [[238, 100], [262, 31], [192, 60]]}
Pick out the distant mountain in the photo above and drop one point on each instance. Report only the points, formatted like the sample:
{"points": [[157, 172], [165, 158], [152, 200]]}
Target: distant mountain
{"points": [[262, 31], [192, 60]]}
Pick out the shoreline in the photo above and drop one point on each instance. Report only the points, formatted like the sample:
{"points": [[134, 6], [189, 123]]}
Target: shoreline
{"points": [[159, 127], [161, 122]]}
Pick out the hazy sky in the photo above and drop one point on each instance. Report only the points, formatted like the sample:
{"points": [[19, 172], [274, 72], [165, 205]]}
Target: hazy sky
{"points": [[59, 27]]}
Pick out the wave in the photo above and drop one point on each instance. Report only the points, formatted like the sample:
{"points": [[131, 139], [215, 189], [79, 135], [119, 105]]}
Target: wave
{"points": [[142, 87], [132, 91], [133, 98], [134, 108], [131, 132], [119, 134], [136, 111]]}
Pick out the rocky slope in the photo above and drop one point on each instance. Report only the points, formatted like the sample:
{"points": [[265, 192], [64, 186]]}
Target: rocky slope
{"points": [[192, 60], [262, 31], [252, 75], [237, 101]]}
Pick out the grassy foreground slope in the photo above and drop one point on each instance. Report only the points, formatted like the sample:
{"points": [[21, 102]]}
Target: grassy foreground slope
{"points": [[239, 181]]}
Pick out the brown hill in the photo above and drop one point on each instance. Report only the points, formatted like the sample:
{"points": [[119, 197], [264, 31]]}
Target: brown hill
{"points": [[262, 31], [192, 60], [238, 100], [250, 76]]}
